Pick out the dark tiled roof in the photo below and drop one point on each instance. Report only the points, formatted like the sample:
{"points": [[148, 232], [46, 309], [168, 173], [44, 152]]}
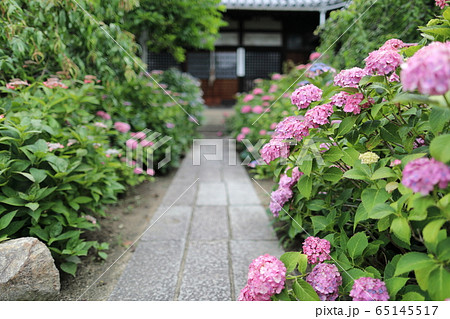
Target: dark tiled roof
{"points": [[300, 5]]}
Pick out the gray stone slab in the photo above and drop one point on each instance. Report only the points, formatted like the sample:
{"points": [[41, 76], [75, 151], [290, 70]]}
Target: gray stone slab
{"points": [[243, 252], [210, 174], [211, 194], [169, 224], [209, 223], [186, 189], [206, 272], [235, 173], [152, 272], [250, 222], [242, 193]]}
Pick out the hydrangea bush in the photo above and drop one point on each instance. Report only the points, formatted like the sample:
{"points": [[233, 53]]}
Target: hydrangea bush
{"points": [[373, 153]]}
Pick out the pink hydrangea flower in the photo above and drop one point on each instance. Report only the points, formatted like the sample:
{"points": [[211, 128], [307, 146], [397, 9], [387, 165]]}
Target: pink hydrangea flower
{"points": [[267, 98], [100, 124], [314, 56], [395, 162], [122, 127], [422, 174], [441, 3], [104, 115], [52, 83], [305, 95], [278, 198], [340, 98], [273, 126], [428, 70], [273, 88], [317, 250], [288, 182], [257, 91], [15, 83], [266, 277], [246, 109], [54, 146], [139, 135], [170, 125], [150, 172], [132, 143], [319, 114], [418, 142], [248, 98], [325, 279], [245, 130], [240, 137], [274, 149], [383, 62], [393, 44], [138, 170], [277, 76], [258, 109], [352, 103], [350, 78], [292, 127], [262, 132], [369, 289], [394, 78], [145, 143]]}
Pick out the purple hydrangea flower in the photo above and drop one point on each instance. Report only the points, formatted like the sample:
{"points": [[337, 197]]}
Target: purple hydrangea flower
{"points": [[383, 62], [422, 174], [350, 78], [278, 198], [319, 114], [325, 279], [305, 95], [369, 289]]}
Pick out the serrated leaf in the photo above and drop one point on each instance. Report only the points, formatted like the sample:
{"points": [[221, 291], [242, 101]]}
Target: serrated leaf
{"points": [[290, 260], [383, 172], [412, 261], [381, 210], [440, 148], [346, 125], [356, 245], [394, 284], [431, 230], [439, 280], [413, 296], [400, 228], [304, 292]]}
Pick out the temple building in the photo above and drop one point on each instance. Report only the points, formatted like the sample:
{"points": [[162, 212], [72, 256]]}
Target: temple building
{"points": [[260, 36]]}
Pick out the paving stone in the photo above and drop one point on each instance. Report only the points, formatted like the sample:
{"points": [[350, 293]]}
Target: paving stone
{"points": [[211, 194], [152, 272], [242, 193], [235, 174], [206, 272], [188, 188], [209, 223], [171, 224], [243, 252], [250, 222], [211, 174]]}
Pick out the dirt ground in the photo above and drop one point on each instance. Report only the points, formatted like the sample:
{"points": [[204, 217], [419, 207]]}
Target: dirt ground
{"points": [[124, 224]]}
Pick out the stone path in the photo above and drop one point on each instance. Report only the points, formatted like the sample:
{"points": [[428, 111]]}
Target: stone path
{"points": [[200, 244]]}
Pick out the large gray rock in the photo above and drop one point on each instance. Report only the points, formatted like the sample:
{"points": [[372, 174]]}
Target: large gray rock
{"points": [[27, 271]]}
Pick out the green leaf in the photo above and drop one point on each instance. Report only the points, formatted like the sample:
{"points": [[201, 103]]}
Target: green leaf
{"points": [[303, 263], [350, 156], [27, 175], [439, 283], [394, 284], [304, 292], [304, 185], [356, 173], [32, 206], [439, 116], [332, 174], [413, 296], [82, 200], [103, 255], [440, 148], [306, 166], [422, 276], [443, 250], [319, 223], [413, 261], [346, 125], [389, 133], [290, 260], [369, 127], [356, 245], [400, 228], [431, 230], [6, 219], [381, 210], [383, 172], [371, 197], [360, 215], [38, 174], [13, 201], [69, 267], [333, 154]]}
